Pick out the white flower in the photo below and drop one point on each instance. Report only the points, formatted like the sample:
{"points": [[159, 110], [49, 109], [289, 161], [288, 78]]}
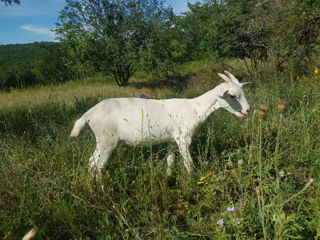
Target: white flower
{"points": [[281, 173], [235, 221], [220, 222], [240, 162]]}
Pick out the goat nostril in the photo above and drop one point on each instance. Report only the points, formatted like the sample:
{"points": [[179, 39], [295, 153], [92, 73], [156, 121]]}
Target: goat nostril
{"points": [[248, 110]]}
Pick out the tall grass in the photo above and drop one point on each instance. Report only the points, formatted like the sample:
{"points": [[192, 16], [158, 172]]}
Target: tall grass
{"points": [[261, 168]]}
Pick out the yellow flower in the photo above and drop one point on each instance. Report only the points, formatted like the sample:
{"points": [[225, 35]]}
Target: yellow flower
{"points": [[206, 176], [316, 70]]}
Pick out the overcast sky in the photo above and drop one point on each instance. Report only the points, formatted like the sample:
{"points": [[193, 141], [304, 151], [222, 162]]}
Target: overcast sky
{"points": [[32, 19]]}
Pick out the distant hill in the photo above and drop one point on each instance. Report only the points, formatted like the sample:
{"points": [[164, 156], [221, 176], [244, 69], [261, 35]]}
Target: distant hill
{"points": [[23, 54]]}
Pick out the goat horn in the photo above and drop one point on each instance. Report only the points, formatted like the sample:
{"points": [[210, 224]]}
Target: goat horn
{"points": [[225, 78], [233, 78]]}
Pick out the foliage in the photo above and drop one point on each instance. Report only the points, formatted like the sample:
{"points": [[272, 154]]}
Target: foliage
{"points": [[116, 33], [121, 37], [285, 33], [25, 65]]}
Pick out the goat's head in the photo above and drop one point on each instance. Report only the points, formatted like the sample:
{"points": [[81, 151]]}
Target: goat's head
{"points": [[232, 97]]}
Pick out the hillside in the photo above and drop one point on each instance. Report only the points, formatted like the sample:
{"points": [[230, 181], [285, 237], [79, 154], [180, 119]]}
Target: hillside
{"points": [[23, 54]]}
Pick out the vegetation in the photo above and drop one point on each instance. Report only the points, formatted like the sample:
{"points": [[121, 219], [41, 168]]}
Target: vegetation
{"points": [[26, 65], [254, 178], [260, 167], [119, 38]]}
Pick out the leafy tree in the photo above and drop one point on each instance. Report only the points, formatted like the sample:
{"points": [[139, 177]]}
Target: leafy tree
{"points": [[295, 35], [113, 34], [194, 28]]}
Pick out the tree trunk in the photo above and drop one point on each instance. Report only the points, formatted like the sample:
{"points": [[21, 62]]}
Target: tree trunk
{"points": [[122, 75]]}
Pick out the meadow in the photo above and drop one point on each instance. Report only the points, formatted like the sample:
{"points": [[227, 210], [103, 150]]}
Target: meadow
{"points": [[254, 178]]}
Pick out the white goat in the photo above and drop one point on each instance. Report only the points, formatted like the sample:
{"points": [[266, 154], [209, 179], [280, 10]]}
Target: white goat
{"points": [[136, 120]]}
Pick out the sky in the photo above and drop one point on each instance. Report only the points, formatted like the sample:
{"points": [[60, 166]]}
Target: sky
{"points": [[33, 20]]}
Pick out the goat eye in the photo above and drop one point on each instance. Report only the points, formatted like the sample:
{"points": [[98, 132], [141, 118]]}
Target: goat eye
{"points": [[232, 96]]}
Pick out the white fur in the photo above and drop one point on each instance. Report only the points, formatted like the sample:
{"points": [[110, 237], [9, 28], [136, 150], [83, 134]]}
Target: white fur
{"points": [[135, 120]]}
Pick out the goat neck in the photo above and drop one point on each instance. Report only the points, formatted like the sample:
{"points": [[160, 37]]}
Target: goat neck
{"points": [[207, 102]]}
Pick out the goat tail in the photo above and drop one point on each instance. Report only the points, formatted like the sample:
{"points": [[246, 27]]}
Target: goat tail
{"points": [[78, 125]]}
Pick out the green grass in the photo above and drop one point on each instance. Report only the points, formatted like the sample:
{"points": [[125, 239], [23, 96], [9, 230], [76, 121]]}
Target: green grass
{"points": [[44, 182]]}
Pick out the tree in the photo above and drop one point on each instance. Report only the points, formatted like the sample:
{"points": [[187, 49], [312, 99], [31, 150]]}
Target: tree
{"points": [[113, 34], [51, 66], [11, 1], [295, 35]]}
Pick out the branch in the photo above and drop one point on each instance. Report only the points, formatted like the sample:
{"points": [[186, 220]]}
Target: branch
{"points": [[10, 2]]}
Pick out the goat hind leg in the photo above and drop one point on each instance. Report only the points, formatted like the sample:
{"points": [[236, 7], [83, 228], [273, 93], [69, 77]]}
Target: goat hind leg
{"points": [[100, 156], [170, 159]]}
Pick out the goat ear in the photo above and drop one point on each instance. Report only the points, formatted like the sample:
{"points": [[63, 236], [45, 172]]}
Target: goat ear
{"points": [[245, 83], [233, 78], [225, 78], [223, 93]]}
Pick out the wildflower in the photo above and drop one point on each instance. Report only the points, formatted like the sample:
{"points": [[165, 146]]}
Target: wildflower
{"points": [[316, 70], [230, 209], [257, 190], [220, 222], [181, 208], [233, 171], [281, 173], [240, 162], [310, 182], [281, 106], [235, 221], [262, 111]]}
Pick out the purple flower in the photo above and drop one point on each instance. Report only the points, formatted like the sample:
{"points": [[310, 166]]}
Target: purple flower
{"points": [[310, 182], [230, 209]]}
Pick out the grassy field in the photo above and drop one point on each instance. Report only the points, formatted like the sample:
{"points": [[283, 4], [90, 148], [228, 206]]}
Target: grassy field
{"points": [[254, 177]]}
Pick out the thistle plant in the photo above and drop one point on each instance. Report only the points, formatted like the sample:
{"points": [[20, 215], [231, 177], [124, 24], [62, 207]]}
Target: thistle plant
{"points": [[262, 111], [281, 108]]}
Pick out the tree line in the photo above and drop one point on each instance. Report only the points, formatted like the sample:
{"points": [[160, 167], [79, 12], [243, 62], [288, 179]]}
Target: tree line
{"points": [[121, 37]]}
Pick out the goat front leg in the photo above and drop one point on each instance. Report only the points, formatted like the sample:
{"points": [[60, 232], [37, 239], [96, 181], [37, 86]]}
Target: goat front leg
{"points": [[183, 145]]}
